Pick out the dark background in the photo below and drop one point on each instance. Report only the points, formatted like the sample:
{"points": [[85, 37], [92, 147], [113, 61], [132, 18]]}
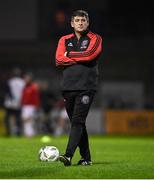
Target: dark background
{"points": [[30, 29]]}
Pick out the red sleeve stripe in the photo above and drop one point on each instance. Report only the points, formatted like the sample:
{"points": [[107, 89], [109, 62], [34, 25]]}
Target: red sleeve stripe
{"points": [[59, 62], [89, 53]]}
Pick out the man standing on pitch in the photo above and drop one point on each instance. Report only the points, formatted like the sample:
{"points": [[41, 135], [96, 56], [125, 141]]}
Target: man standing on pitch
{"points": [[77, 54]]}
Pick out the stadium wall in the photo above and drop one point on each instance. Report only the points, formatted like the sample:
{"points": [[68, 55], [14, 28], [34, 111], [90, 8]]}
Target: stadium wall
{"points": [[131, 122]]}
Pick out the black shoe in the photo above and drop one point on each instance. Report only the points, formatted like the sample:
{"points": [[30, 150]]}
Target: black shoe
{"points": [[84, 162], [65, 160]]}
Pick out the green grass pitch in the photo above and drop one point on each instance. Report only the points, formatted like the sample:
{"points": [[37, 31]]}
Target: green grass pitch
{"points": [[113, 157]]}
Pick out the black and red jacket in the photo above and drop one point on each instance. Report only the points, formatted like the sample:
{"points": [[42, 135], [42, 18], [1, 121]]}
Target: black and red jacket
{"points": [[79, 59]]}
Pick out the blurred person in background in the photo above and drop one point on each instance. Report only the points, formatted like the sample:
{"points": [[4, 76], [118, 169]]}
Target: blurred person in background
{"points": [[30, 105], [47, 99], [12, 103], [77, 54], [60, 24], [59, 117]]}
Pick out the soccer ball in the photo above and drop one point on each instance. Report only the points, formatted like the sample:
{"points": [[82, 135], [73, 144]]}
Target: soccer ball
{"points": [[48, 153]]}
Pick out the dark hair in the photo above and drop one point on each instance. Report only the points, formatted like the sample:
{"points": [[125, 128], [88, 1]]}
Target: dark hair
{"points": [[16, 72], [81, 13]]}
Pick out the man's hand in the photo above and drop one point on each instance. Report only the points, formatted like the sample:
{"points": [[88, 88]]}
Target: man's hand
{"points": [[65, 64], [65, 54]]}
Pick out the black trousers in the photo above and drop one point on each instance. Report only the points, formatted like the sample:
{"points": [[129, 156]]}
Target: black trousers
{"points": [[16, 113], [77, 105]]}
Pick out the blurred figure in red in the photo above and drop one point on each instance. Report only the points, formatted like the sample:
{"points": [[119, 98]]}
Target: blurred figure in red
{"points": [[30, 105], [60, 24]]}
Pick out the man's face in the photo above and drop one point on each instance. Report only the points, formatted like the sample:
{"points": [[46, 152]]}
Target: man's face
{"points": [[79, 23], [28, 79]]}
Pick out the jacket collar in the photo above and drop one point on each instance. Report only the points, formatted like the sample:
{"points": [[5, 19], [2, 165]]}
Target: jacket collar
{"points": [[84, 33]]}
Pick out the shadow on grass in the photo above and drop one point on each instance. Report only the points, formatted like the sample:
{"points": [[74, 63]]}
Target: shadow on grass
{"points": [[106, 162], [101, 163]]}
